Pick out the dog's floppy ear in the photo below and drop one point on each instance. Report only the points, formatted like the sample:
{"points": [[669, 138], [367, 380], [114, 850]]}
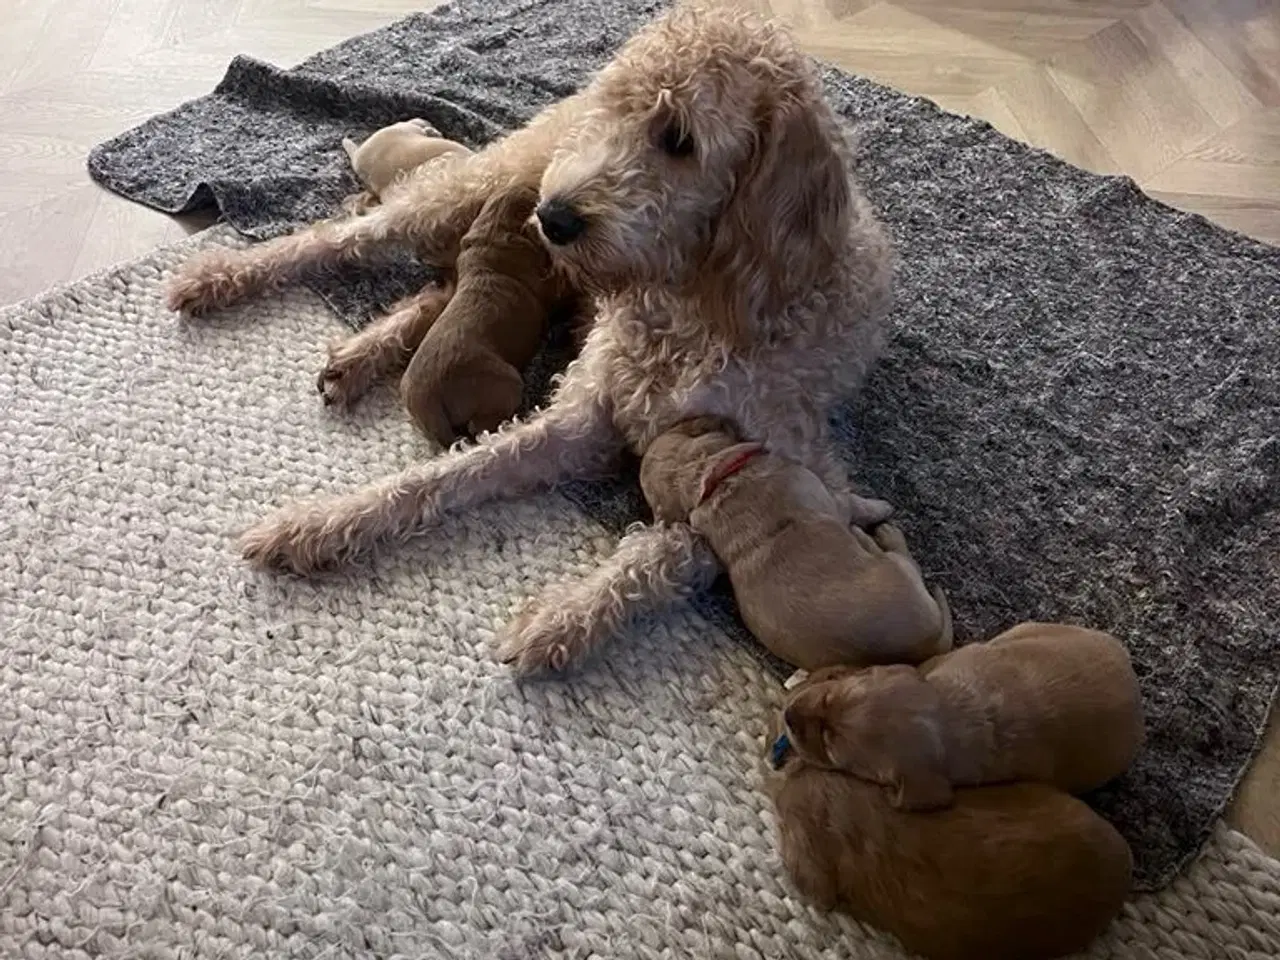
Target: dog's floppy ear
{"points": [[785, 221]]}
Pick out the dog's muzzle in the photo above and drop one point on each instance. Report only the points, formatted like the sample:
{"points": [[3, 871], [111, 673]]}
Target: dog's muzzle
{"points": [[560, 223]]}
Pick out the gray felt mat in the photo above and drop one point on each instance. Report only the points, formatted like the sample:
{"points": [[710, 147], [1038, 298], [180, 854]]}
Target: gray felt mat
{"points": [[1077, 417]]}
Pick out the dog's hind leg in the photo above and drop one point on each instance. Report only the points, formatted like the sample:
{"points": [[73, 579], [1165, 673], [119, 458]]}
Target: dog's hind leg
{"points": [[653, 567], [381, 349], [430, 213]]}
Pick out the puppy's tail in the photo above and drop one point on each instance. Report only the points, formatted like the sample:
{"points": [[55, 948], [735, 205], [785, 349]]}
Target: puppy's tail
{"points": [[351, 147], [946, 634]]}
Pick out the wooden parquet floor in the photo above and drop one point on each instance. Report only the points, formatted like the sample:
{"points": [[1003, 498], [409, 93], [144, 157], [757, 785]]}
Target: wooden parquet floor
{"points": [[1181, 95]]}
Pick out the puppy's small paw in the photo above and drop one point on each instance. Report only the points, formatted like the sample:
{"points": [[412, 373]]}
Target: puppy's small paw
{"points": [[535, 643], [867, 512], [358, 203]]}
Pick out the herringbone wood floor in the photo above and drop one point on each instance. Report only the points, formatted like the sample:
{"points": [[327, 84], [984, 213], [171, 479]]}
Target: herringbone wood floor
{"points": [[1182, 95]]}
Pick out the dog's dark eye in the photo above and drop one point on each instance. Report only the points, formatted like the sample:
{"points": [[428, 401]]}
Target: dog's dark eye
{"points": [[675, 142]]}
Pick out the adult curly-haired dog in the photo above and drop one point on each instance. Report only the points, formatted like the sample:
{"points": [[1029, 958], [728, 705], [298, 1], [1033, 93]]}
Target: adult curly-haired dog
{"points": [[700, 188]]}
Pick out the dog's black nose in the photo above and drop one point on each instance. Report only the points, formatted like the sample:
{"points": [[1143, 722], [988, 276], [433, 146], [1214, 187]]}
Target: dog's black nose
{"points": [[561, 224]]}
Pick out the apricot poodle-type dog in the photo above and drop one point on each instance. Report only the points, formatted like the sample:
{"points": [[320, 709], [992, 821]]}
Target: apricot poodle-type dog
{"points": [[699, 188]]}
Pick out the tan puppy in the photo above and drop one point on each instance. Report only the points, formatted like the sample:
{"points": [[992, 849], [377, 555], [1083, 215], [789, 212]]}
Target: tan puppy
{"points": [[1042, 702], [812, 590], [1013, 872], [393, 151], [465, 376]]}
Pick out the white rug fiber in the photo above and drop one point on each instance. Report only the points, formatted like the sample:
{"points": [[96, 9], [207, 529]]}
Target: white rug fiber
{"points": [[200, 761]]}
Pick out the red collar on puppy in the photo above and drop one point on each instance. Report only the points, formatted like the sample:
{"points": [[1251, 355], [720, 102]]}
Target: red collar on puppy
{"points": [[727, 469]]}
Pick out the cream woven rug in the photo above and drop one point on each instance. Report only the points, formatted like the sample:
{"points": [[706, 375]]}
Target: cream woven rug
{"points": [[198, 761]]}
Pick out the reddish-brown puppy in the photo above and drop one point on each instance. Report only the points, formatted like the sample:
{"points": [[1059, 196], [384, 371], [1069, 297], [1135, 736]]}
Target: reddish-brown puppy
{"points": [[466, 376], [810, 587], [1043, 702], [1010, 872]]}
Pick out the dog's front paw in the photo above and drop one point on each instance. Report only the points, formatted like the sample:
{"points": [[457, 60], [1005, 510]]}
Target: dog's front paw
{"points": [[538, 641], [347, 376], [289, 542], [204, 283]]}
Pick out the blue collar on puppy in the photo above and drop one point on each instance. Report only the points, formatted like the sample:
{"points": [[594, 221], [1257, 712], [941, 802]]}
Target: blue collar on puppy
{"points": [[778, 752]]}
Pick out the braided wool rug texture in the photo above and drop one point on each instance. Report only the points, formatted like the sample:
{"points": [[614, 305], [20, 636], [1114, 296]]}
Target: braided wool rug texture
{"points": [[1078, 417], [200, 761]]}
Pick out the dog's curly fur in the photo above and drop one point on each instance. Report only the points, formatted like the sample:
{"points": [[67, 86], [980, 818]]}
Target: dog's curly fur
{"points": [[737, 270]]}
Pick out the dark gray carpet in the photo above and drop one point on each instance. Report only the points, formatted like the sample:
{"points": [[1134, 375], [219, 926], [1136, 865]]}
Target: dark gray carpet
{"points": [[1077, 417]]}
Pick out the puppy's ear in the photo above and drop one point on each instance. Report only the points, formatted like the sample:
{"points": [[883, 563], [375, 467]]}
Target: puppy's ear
{"points": [[919, 774], [887, 733], [659, 480], [805, 720], [724, 464]]}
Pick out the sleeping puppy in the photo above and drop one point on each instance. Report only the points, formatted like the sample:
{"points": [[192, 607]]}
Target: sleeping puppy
{"points": [[812, 590], [1043, 702], [390, 153], [1011, 872], [466, 375]]}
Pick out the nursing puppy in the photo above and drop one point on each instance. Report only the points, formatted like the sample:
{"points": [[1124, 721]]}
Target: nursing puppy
{"points": [[810, 588], [466, 375], [1012, 872], [389, 154], [1043, 702]]}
